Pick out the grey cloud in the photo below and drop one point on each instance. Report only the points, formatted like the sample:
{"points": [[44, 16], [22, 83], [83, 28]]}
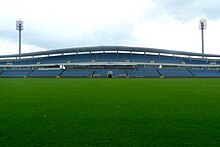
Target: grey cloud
{"points": [[13, 36], [48, 34], [111, 34], [189, 9]]}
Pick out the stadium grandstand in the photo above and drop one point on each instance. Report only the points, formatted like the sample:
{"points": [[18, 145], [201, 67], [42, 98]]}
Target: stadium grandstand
{"points": [[110, 61]]}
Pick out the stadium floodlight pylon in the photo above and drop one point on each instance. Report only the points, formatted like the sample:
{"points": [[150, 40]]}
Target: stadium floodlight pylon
{"points": [[19, 27], [202, 26]]}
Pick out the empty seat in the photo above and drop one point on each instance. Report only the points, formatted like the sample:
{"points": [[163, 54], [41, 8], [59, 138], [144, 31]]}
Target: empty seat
{"points": [[110, 57], [45, 73], [206, 73], [175, 72], [15, 73], [143, 72], [77, 73], [101, 73]]}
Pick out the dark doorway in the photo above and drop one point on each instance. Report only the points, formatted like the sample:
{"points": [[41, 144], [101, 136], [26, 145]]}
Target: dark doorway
{"points": [[110, 76]]}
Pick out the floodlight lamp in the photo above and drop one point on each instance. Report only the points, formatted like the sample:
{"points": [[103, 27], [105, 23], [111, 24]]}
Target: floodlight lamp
{"points": [[19, 25], [203, 24]]}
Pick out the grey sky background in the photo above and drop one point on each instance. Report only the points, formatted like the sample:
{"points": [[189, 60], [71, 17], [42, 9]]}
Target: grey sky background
{"points": [[166, 24]]}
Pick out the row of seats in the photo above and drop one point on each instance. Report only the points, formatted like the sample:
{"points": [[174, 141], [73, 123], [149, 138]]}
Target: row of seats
{"points": [[107, 57], [145, 72], [45, 73], [15, 73], [140, 72], [175, 72], [77, 73], [205, 73]]}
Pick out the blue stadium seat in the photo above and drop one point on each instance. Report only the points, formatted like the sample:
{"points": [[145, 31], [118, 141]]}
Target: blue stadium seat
{"points": [[2, 63], [100, 73], [81, 58], [51, 60], [119, 73], [175, 72], [195, 61], [24, 62], [15, 73], [137, 58], [115, 73], [1, 71], [167, 59], [77, 73], [206, 73], [143, 72], [45, 73], [110, 57]]}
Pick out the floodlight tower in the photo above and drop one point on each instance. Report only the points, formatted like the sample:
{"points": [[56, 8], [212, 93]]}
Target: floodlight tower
{"points": [[202, 26], [19, 27]]}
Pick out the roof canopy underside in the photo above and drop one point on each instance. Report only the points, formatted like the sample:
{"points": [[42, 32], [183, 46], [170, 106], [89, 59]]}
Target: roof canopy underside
{"points": [[109, 48]]}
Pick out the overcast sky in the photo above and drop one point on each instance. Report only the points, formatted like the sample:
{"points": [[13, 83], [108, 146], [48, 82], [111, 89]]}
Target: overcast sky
{"points": [[165, 24]]}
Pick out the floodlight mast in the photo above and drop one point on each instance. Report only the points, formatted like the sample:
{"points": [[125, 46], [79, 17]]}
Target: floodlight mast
{"points": [[19, 27], [202, 26]]}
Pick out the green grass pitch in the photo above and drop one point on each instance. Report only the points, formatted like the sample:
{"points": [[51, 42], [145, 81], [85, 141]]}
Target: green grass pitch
{"points": [[109, 112]]}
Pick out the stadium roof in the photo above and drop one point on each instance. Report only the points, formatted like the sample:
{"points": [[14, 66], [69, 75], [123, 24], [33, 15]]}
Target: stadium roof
{"points": [[108, 48]]}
